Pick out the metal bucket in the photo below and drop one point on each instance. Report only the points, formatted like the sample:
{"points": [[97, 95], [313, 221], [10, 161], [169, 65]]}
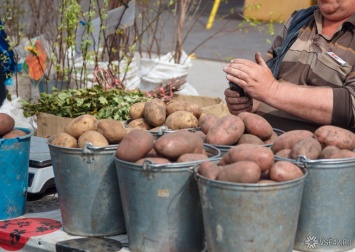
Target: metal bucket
{"points": [[14, 160], [225, 148], [88, 191], [161, 205], [327, 215], [250, 217]]}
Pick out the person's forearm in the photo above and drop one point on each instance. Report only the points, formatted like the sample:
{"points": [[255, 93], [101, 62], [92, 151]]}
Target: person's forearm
{"points": [[310, 103]]}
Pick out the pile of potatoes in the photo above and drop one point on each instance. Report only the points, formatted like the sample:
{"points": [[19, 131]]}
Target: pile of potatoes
{"points": [[155, 113], [229, 130], [250, 163], [178, 146], [7, 130], [326, 142], [87, 128]]}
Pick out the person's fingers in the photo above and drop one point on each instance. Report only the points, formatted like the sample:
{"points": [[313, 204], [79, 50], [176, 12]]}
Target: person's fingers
{"points": [[259, 59], [231, 93]]}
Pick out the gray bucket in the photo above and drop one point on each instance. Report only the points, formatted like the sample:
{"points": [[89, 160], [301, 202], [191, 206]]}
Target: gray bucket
{"points": [[161, 205], [250, 217], [225, 148], [88, 191], [327, 215]]}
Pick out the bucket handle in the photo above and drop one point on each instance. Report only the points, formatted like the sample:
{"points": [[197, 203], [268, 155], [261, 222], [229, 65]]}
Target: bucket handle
{"points": [[89, 149]]}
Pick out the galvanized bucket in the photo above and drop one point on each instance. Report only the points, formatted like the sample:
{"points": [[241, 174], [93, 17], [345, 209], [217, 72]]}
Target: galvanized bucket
{"points": [[327, 215], [14, 159], [225, 148], [161, 205], [88, 191], [250, 217]]}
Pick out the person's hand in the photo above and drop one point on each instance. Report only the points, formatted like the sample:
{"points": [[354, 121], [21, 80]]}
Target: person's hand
{"points": [[254, 77], [237, 104]]}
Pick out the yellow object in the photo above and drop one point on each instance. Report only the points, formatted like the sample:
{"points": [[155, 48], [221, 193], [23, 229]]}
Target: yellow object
{"points": [[273, 10], [213, 14]]}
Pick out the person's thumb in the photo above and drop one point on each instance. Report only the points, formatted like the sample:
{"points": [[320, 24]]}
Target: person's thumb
{"points": [[259, 59]]}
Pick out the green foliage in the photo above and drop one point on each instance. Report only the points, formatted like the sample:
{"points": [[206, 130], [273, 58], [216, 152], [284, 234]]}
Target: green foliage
{"points": [[112, 103]]}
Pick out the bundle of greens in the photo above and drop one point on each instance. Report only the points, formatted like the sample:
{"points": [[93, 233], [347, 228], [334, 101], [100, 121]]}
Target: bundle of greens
{"points": [[112, 103]]}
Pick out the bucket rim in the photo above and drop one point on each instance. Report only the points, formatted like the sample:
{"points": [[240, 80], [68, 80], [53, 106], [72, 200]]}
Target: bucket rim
{"points": [[305, 162], [252, 186], [88, 146], [173, 166], [26, 130]]}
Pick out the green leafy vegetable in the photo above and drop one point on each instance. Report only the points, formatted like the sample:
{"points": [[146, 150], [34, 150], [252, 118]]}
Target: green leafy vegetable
{"points": [[112, 103]]}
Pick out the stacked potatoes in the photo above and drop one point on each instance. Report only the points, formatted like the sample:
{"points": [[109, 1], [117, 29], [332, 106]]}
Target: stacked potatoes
{"points": [[7, 130], [233, 130], [178, 146], [87, 128], [327, 142], [250, 163], [155, 113]]}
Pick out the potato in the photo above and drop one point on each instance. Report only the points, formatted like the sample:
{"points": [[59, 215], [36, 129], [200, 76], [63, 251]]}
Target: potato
{"points": [[345, 153], [289, 138], [139, 123], [181, 120], [135, 145], [257, 125], [209, 169], [330, 152], [14, 133], [93, 137], [155, 112], [191, 157], [201, 135], [240, 172], [136, 110], [112, 130], [336, 136], [259, 154], [225, 131], [242, 115], [81, 124], [249, 138], [272, 139], [173, 145], [308, 147], [64, 140], [205, 121], [284, 153], [174, 106], [154, 160], [7, 123], [284, 171]]}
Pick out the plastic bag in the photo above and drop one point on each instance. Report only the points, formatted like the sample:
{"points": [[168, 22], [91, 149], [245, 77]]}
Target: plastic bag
{"points": [[155, 71]]}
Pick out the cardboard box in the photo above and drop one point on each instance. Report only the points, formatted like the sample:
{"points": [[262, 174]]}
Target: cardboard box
{"points": [[49, 125]]}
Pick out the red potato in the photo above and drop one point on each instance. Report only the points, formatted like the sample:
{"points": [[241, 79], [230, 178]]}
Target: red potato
{"points": [[7, 123], [284, 153], [240, 172], [249, 138], [191, 157], [257, 125], [225, 131], [272, 139], [205, 121], [209, 169], [289, 138], [330, 152], [345, 153], [308, 147], [173, 145], [284, 171], [261, 155], [135, 145], [336, 136]]}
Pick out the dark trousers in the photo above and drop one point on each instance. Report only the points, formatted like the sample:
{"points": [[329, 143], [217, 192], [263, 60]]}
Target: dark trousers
{"points": [[2, 86]]}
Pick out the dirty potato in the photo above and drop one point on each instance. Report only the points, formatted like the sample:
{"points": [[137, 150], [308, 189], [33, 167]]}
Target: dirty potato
{"points": [[155, 112], [136, 110], [174, 106], [112, 130], [181, 120], [64, 140], [93, 137], [81, 124]]}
